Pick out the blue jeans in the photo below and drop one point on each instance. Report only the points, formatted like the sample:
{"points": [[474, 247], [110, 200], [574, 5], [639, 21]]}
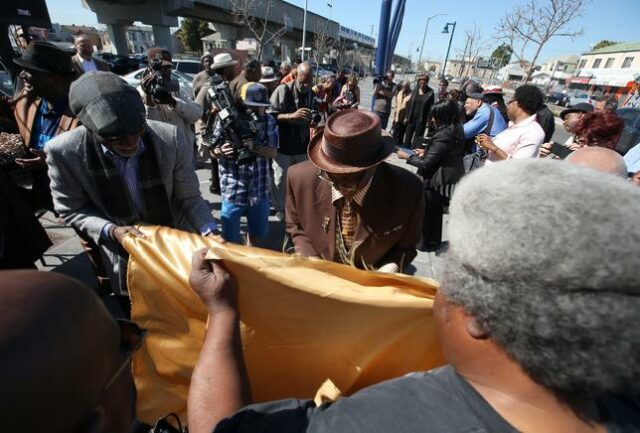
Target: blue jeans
{"points": [[257, 219]]}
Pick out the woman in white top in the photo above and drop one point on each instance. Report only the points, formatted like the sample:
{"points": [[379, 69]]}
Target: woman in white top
{"points": [[523, 137]]}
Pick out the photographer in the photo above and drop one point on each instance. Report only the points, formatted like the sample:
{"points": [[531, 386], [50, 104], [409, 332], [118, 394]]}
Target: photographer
{"points": [[292, 105], [383, 93], [225, 67], [244, 164], [158, 92]]}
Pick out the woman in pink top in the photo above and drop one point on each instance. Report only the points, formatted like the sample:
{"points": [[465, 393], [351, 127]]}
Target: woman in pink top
{"points": [[523, 137]]}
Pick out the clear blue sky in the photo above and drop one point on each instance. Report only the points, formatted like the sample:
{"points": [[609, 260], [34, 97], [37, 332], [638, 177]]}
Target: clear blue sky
{"points": [[617, 20]]}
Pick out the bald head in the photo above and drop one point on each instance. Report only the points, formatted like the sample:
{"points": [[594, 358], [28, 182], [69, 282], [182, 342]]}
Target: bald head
{"points": [[599, 158], [58, 348], [304, 76]]}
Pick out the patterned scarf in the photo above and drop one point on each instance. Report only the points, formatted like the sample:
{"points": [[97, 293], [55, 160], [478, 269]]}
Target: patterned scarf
{"points": [[156, 208]]}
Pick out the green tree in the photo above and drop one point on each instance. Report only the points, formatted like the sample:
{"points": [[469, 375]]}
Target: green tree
{"points": [[604, 43], [502, 54], [191, 32]]}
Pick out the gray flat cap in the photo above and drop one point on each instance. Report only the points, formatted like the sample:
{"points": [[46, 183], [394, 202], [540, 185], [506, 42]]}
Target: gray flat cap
{"points": [[106, 104], [548, 222]]}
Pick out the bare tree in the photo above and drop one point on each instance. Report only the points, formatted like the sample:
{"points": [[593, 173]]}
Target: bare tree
{"points": [[342, 54], [245, 14], [536, 22], [322, 42], [474, 47]]}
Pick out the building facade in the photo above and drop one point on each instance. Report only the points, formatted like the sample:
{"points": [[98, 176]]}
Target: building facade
{"points": [[612, 67], [139, 39]]}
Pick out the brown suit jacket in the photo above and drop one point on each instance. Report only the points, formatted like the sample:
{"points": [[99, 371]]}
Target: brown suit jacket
{"points": [[25, 108], [77, 65], [390, 220]]}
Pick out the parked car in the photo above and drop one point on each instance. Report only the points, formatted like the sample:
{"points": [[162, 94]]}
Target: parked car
{"points": [[188, 67], [579, 98], [557, 98], [631, 134], [329, 67], [6, 83], [186, 89]]}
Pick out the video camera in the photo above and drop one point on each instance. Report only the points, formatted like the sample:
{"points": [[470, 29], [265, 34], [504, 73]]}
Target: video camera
{"points": [[316, 117], [379, 79], [158, 87], [237, 126]]}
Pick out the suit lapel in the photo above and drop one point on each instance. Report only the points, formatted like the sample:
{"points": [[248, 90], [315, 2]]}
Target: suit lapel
{"points": [[326, 216]]}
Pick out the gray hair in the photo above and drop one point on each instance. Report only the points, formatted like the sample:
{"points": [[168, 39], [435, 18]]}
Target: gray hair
{"points": [[544, 255]]}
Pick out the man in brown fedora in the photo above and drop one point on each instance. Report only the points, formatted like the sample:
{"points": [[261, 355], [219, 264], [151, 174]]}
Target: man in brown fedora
{"points": [[347, 205]]}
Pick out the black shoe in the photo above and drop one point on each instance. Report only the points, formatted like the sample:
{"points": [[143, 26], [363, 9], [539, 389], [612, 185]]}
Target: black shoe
{"points": [[214, 189], [429, 247]]}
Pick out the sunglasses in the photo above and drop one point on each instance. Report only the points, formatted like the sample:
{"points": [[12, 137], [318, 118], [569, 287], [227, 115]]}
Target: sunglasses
{"points": [[131, 339]]}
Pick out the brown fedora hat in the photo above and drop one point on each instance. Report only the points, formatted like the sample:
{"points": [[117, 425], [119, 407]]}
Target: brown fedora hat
{"points": [[352, 141]]}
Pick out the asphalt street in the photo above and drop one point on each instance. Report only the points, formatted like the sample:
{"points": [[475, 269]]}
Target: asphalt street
{"points": [[67, 257]]}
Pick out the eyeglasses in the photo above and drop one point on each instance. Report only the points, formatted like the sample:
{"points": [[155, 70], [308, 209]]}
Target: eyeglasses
{"points": [[131, 339]]}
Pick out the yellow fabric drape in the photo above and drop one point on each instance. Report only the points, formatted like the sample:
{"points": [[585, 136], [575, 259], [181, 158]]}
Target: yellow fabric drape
{"points": [[303, 321]]}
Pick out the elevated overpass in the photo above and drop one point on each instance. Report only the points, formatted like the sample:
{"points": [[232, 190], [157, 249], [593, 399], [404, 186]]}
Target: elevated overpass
{"points": [[163, 14]]}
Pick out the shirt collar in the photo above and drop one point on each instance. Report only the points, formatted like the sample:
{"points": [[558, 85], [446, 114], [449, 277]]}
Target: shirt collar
{"points": [[358, 197], [525, 122]]}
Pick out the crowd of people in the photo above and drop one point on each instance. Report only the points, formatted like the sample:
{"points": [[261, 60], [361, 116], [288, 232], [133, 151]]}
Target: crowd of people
{"points": [[537, 312]]}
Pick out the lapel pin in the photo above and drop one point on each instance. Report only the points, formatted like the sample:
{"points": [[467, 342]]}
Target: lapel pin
{"points": [[325, 224]]}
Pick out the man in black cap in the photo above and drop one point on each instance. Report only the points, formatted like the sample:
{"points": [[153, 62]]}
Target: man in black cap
{"points": [[570, 118], [41, 110], [118, 170], [203, 76]]}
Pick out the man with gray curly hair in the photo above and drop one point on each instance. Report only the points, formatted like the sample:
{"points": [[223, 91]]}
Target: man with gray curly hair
{"points": [[537, 315]]}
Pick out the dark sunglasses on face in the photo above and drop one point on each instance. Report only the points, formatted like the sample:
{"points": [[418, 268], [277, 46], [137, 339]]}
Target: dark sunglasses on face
{"points": [[131, 339]]}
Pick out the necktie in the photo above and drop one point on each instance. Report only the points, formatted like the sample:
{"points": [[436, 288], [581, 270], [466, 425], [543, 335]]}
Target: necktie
{"points": [[348, 223]]}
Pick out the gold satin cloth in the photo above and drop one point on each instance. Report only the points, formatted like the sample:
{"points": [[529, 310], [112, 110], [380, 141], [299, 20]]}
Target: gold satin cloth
{"points": [[303, 321]]}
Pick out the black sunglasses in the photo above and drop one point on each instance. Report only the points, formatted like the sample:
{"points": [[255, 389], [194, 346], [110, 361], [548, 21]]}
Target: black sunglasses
{"points": [[131, 339]]}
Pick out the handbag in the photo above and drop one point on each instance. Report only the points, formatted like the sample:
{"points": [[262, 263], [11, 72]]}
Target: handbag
{"points": [[475, 159]]}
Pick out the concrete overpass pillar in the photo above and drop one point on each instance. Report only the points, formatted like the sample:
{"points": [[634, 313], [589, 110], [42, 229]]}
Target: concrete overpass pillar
{"points": [[117, 33], [162, 37]]}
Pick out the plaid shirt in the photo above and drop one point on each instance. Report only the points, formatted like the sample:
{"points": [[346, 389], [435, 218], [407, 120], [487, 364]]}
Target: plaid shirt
{"points": [[246, 184]]}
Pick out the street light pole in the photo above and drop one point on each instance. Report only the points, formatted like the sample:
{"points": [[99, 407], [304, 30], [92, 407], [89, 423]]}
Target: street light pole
{"points": [[446, 58], [425, 36], [304, 29]]}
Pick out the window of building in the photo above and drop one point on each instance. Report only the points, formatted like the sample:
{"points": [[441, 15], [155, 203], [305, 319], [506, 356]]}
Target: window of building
{"points": [[583, 62], [596, 63], [609, 62], [627, 62]]}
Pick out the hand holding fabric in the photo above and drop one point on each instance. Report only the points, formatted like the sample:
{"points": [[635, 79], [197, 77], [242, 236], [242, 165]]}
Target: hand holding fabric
{"points": [[213, 284]]}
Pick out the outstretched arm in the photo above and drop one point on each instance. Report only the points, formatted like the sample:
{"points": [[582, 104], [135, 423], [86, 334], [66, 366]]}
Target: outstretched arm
{"points": [[219, 384]]}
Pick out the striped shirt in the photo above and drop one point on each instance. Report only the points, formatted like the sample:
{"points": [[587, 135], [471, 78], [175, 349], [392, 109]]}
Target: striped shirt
{"points": [[245, 185], [128, 169]]}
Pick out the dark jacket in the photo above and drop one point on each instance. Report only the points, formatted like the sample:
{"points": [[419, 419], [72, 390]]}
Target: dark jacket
{"points": [[442, 162], [426, 108], [545, 119], [389, 224]]}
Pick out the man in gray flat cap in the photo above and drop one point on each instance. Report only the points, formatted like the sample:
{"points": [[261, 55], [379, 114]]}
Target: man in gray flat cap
{"points": [[118, 170]]}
